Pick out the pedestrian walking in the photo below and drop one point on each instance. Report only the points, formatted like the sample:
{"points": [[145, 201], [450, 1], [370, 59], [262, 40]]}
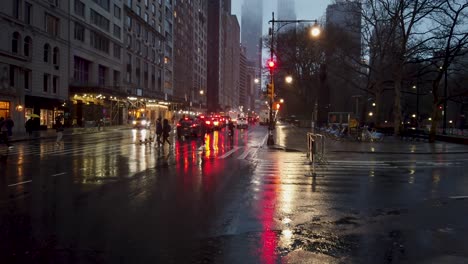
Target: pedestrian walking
{"points": [[29, 125], [159, 132], [4, 133], [166, 130], [59, 129], [9, 125]]}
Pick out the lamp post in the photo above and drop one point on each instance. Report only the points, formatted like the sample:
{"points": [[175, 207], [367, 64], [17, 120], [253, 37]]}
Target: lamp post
{"points": [[201, 95], [271, 65]]}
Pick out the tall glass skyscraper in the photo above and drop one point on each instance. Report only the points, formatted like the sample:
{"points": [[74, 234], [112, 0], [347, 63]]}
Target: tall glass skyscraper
{"points": [[251, 30]]}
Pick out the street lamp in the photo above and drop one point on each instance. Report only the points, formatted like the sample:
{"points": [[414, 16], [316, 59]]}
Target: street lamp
{"points": [[201, 94], [256, 80], [315, 31], [289, 79]]}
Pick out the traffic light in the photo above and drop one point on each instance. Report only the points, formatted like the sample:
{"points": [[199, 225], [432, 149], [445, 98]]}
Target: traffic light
{"points": [[269, 89], [271, 64]]}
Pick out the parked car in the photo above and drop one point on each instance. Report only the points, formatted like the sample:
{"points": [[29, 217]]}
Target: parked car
{"points": [[242, 123], [141, 122], [188, 127]]}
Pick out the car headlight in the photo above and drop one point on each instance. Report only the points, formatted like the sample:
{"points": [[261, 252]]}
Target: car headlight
{"points": [[134, 122]]}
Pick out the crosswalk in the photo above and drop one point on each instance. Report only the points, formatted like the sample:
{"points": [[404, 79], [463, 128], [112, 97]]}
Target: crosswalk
{"points": [[51, 149]]}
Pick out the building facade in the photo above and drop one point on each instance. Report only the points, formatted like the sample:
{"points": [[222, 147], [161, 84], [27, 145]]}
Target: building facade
{"points": [[190, 51], [33, 52]]}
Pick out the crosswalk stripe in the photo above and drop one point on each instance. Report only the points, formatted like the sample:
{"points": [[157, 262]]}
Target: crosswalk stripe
{"points": [[227, 154]]}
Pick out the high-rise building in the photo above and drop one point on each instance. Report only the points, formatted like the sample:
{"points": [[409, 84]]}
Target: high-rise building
{"points": [[34, 72], [95, 61], [286, 11], [190, 31], [148, 59], [251, 30], [223, 56], [343, 26]]}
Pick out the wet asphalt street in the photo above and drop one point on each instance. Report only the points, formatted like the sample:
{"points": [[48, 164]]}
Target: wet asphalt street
{"points": [[106, 198]]}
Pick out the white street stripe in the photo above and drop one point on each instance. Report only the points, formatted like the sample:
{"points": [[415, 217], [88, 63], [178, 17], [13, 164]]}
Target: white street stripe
{"points": [[19, 183], [58, 174], [246, 152], [227, 154]]}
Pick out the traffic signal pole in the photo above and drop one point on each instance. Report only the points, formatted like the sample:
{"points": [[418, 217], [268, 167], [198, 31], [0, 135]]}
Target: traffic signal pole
{"points": [[271, 123]]}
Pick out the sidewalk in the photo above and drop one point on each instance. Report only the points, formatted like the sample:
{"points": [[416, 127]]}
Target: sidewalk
{"points": [[50, 133], [291, 138]]}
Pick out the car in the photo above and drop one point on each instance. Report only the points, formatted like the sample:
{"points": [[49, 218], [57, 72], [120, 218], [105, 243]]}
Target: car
{"points": [[217, 123], [188, 127], [242, 123], [141, 122]]}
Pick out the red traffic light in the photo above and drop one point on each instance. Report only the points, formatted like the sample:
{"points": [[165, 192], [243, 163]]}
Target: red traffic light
{"points": [[271, 64]]}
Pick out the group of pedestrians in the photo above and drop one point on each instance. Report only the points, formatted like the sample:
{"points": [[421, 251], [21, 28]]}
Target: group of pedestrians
{"points": [[162, 132]]}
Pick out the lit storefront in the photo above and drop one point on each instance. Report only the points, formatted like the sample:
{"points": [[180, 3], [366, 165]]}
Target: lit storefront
{"points": [[48, 109]]}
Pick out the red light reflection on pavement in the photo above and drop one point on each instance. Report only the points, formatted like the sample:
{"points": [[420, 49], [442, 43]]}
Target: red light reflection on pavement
{"points": [[268, 202]]}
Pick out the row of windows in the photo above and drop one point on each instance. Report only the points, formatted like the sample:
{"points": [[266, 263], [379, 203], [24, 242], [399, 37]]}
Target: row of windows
{"points": [[27, 48], [79, 8], [82, 69], [50, 83], [97, 40]]}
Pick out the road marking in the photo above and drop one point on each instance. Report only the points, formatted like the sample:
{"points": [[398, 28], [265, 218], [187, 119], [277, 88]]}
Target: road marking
{"points": [[227, 154], [246, 152], [458, 197], [19, 183], [58, 174]]}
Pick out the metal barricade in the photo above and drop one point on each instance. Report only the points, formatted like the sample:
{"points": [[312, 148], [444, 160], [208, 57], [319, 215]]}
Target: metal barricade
{"points": [[315, 149]]}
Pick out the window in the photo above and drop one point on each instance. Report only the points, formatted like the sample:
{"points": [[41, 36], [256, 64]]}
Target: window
{"points": [[138, 46], [99, 42], [79, 32], [146, 3], [129, 3], [116, 51], [129, 41], [153, 9], [99, 20], [55, 56], [153, 22], [116, 78], [27, 46], [116, 31], [4, 108], [27, 13], [27, 79], [46, 52], [102, 71], [12, 75], [15, 43], [52, 25], [138, 28], [55, 84], [81, 70], [117, 12], [103, 3], [146, 17], [16, 8], [45, 83], [79, 8], [138, 10], [129, 22]]}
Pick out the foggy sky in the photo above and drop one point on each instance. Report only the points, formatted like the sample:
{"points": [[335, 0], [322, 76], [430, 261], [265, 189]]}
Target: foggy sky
{"points": [[305, 9]]}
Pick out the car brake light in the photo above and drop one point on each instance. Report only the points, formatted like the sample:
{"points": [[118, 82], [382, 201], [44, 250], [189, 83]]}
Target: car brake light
{"points": [[178, 125], [194, 125], [208, 122], [186, 118]]}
